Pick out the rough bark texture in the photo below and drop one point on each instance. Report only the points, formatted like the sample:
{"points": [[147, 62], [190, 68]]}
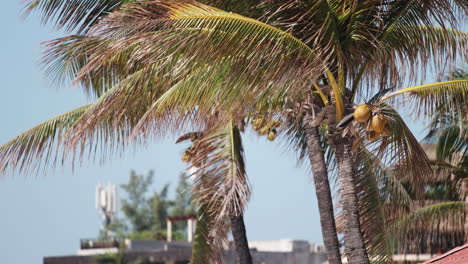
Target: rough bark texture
{"points": [[322, 190], [240, 240], [354, 241]]}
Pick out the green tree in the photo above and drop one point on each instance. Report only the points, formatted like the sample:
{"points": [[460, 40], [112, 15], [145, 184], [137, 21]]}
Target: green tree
{"points": [[144, 210], [137, 207], [183, 201], [158, 66]]}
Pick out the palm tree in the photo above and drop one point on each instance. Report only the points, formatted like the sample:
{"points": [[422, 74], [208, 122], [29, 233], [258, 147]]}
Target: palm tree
{"points": [[442, 211], [399, 215], [157, 66], [220, 184]]}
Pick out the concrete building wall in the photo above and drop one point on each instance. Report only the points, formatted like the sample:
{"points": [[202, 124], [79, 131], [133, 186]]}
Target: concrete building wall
{"points": [[263, 252], [282, 245]]}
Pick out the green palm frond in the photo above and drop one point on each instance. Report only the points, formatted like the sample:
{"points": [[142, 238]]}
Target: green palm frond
{"points": [[401, 151], [35, 146], [73, 14], [452, 145], [432, 221], [370, 177], [427, 99]]}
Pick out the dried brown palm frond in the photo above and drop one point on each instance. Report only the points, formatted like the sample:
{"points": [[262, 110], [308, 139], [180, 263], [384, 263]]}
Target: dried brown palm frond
{"points": [[152, 31], [220, 185], [405, 52], [222, 79], [65, 57], [220, 155]]}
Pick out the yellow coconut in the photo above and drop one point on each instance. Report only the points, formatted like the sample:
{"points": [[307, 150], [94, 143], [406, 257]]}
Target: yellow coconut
{"points": [[378, 123], [264, 130], [362, 113], [186, 157], [272, 135], [372, 135], [258, 122], [387, 131]]}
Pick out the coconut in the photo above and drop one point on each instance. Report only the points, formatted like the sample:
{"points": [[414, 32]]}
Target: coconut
{"points": [[186, 157], [368, 126], [372, 135], [258, 122], [378, 123], [362, 113], [264, 130], [272, 135]]}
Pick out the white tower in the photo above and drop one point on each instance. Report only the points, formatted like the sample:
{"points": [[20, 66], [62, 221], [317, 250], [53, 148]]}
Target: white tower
{"points": [[106, 204]]}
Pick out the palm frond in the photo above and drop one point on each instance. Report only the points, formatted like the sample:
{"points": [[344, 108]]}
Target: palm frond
{"points": [[427, 99], [221, 156], [440, 223], [452, 145], [73, 14], [220, 185], [35, 147], [221, 80], [124, 115], [415, 46], [373, 188], [409, 34], [64, 58], [208, 248], [401, 151]]}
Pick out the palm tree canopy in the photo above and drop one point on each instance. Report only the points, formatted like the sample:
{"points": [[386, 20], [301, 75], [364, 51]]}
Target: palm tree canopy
{"points": [[157, 67]]}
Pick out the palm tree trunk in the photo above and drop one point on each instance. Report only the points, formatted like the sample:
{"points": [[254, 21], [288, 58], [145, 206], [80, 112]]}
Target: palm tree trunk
{"points": [[322, 190], [354, 242], [239, 235]]}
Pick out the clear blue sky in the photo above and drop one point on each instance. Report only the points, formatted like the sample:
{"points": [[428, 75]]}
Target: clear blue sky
{"points": [[47, 215]]}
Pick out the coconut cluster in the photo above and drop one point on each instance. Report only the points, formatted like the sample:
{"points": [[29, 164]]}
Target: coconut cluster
{"points": [[375, 123], [189, 156], [191, 152], [266, 126]]}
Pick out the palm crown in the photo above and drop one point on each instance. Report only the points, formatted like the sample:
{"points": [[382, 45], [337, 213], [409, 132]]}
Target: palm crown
{"points": [[158, 67]]}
